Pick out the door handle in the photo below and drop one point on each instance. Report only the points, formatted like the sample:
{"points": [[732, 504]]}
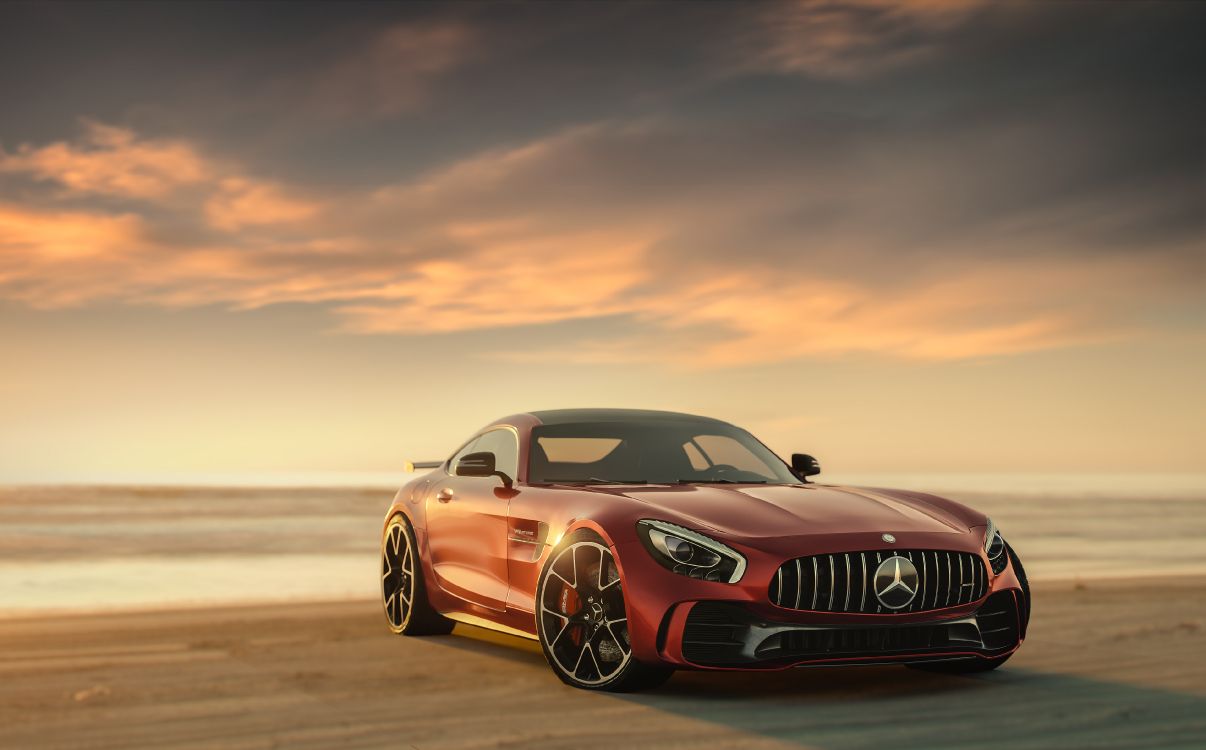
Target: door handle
{"points": [[444, 495]]}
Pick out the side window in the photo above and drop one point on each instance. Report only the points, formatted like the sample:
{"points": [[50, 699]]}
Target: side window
{"points": [[470, 447], [503, 445], [721, 449]]}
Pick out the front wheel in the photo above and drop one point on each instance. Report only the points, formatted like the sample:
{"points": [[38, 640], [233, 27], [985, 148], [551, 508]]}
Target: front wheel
{"points": [[582, 620]]}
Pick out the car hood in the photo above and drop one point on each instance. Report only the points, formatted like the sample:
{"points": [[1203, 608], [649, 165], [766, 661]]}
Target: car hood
{"points": [[756, 511]]}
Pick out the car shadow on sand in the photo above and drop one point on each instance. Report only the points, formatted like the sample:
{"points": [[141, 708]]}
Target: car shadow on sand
{"points": [[877, 707]]}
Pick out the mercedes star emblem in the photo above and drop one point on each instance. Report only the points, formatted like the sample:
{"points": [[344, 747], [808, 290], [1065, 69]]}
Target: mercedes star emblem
{"points": [[889, 538], [896, 582]]}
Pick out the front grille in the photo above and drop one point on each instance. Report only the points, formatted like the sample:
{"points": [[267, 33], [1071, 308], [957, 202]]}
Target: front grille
{"points": [[845, 582]]}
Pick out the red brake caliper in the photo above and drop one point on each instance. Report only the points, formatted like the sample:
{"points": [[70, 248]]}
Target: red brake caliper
{"points": [[569, 604]]}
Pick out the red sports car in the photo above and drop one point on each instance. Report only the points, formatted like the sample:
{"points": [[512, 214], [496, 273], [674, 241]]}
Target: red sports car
{"points": [[633, 543]]}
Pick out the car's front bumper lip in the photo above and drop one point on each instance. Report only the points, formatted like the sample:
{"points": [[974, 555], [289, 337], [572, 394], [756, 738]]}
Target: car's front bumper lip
{"points": [[730, 635]]}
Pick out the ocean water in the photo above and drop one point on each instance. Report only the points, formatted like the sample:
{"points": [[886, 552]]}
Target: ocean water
{"points": [[82, 548]]}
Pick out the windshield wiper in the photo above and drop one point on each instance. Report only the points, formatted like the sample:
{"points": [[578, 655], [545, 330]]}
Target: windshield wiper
{"points": [[597, 480], [722, 481]]}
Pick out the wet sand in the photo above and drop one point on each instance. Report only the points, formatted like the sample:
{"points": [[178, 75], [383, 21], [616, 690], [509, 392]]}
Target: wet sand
{"points": [[1108, 664]]}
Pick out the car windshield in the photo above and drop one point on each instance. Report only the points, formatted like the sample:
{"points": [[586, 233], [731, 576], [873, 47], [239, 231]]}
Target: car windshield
{"points": [[676, 451]]}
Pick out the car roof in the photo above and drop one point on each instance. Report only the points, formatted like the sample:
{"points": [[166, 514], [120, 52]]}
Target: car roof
{"points": [[572, 416]]}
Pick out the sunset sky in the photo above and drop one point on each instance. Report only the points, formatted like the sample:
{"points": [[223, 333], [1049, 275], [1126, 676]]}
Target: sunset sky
{"points": [[945, 236]]}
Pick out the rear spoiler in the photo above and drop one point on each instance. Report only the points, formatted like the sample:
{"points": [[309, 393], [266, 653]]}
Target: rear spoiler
{"points": [[412, 466]]}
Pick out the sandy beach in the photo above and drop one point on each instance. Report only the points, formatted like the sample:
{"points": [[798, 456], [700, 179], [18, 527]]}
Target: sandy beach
{"points": [[1109, 664]]}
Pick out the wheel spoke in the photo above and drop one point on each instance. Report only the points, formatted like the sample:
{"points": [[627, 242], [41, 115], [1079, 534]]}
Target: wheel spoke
{"points": [[598, 670], [581, 653], [624, 649], [609, 584], [553, 612], [560, 633]]}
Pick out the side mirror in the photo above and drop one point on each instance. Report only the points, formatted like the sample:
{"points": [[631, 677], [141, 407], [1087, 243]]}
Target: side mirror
{"points": [[480, 464], [804, 465], [476, 465]]}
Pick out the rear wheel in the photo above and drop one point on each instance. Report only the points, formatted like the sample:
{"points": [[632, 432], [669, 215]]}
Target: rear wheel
{"points": [[403, 590], [582, 620]]}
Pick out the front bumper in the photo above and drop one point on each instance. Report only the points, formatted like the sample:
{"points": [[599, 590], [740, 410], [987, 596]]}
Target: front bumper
{"points": [[730, 635]]}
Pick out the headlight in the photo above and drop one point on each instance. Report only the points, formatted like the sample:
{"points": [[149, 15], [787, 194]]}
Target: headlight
{"points": [[994, 547], [690, 553]]}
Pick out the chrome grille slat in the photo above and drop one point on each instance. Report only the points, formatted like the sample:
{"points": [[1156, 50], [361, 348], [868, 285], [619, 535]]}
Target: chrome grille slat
{"points": [[942, 579], [863, 597], [878, 560], [925, 580], [799, 583], [959, 591], [980, 592], [815, 583], [832, 584], [937, 580], [846, 606], [947, 602]]}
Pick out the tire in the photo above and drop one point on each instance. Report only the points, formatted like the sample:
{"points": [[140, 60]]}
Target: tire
{"points": [[582, 620], [402, 579], [1020, 572]]}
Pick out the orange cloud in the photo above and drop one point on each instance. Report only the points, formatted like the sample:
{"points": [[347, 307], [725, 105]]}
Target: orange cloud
{"points": [[522, 281], [115, 161], [241, 202], [58, 259], [966, 314], [739, 318], [111, 161], [61, 258]]}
